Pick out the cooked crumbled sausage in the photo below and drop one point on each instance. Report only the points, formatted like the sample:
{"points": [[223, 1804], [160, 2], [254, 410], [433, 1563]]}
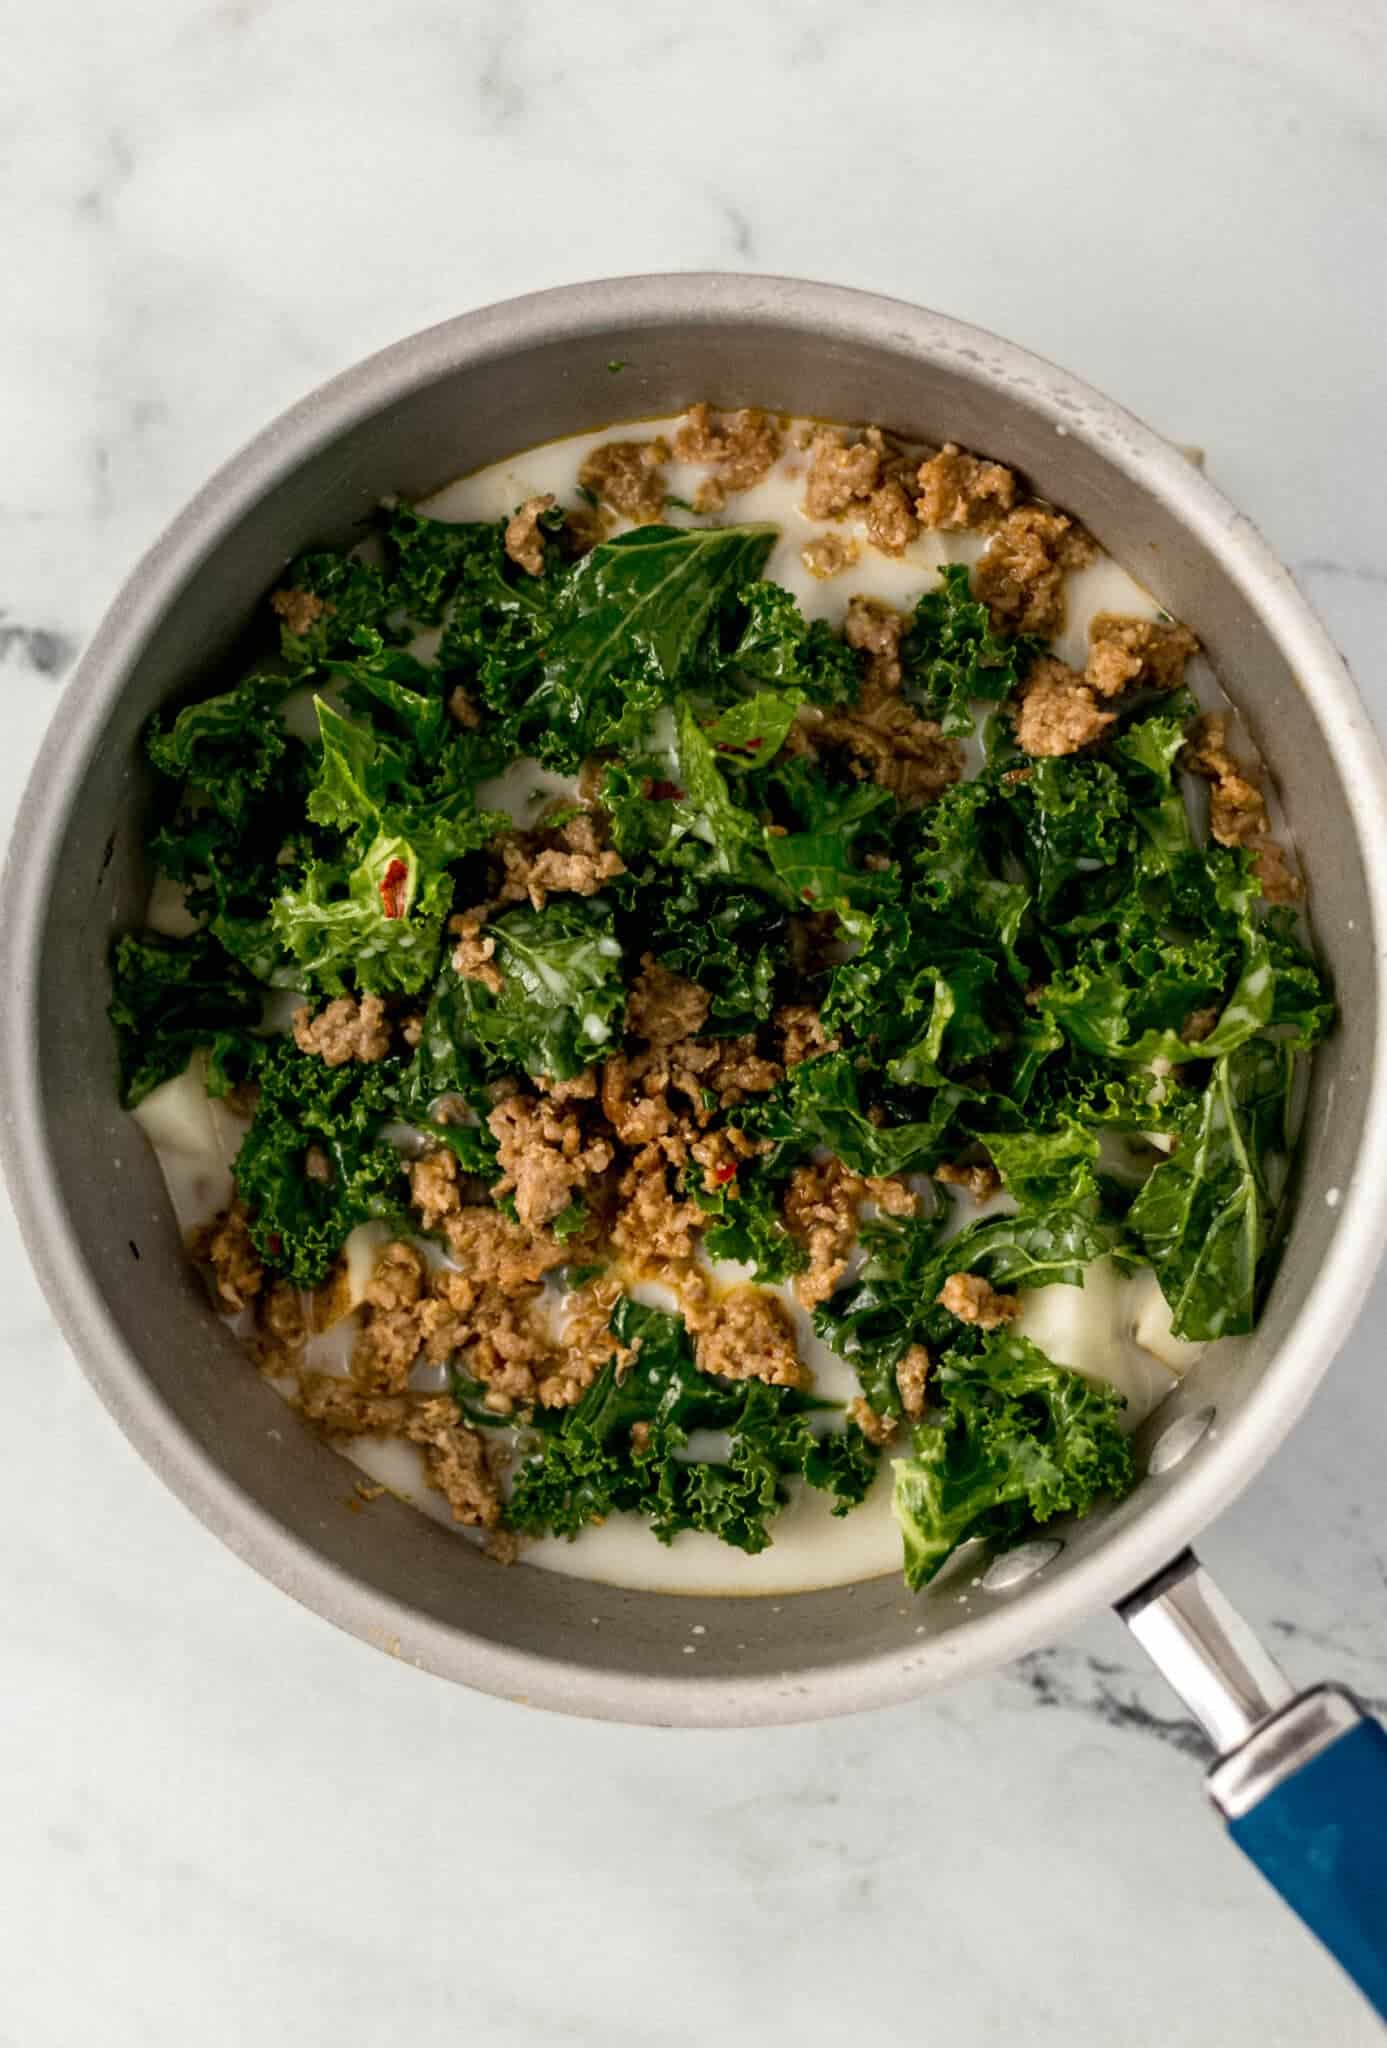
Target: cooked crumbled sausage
{"points": [[891, 521], [653, 1223], [911, 1376], [628, 476], [455, 1456], [524, 541], [875, 629], [1128, 653], [666, 1095], [1198, 1025], [344, 1030], [281, 1325], [959, 491], [1021, 576], [975, 1300], [633, 1098], [385, 1350], [499, 1336], [1238, 813], [722, 1154], [664, 1007], [482, 1239], [463, 711], [397, 1280], [299, 609], [340, 1407], [546, 1156], [743, 447], [434, 1188], [577, 1088], [878, 1429], [225, 1245], [891, 744], [1280, 883], [746, 1334], [473, 954], [729, 1069], [553, 860], [821, 1205], [827, 555], [390, 1335], [841, 475], [317, 1165], [455, 1461], [1055, 712], [488, 1314], [801, 1034], [980, 1179]]}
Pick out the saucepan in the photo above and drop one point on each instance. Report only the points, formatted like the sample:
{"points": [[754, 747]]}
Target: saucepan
{"points": [[1302, 1780]]}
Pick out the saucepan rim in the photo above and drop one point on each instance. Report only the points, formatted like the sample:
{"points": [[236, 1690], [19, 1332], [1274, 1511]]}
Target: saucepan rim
{"points": [[582, 314]]}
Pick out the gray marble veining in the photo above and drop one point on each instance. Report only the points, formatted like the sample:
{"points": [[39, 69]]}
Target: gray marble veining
{"points": [[226, 1823]]}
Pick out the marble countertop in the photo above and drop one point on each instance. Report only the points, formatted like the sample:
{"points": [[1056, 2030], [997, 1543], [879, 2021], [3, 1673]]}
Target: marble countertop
{"points": [[226, 1823]]}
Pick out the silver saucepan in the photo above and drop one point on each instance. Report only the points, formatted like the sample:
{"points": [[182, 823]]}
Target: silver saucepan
{"points": [[1302, 1781]]}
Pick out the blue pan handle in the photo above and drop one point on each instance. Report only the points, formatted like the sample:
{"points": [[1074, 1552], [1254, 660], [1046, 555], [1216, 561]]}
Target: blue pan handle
{"points": [[1301, 1778], [1320, 1836]]}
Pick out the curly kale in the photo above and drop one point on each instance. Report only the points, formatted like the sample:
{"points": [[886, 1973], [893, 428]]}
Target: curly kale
{"points": [[171, 997], [299, 1220], [592, 1465], [1016, 1440]]}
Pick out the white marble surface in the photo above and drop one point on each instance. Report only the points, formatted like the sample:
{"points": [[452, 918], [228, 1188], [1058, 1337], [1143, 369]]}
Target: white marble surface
{"points": [[225, 1824]]}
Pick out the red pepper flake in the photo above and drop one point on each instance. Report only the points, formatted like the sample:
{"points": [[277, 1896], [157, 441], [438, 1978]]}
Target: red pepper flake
{"points": [[752, 745], [806, 895], [662, 792], [723, 1174], [274, 1244], [392, 888]]}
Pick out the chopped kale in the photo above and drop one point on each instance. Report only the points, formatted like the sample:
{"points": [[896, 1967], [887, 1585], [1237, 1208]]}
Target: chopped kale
{"points": [[592, 1466], [299, 1221], [562, 995], [170, 997], [1017, 1439]]}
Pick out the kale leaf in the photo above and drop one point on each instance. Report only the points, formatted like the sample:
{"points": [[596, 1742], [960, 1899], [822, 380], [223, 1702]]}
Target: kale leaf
{"points": [[562, 996], [373, 913], [951, 654], [171, 996], [628, 626], [591, 1466], [892, 1303], [777, 648], [1017, 1440], [1205, 1217], [748, 1226], [300, 1221], [228, 746], [730, 939]]}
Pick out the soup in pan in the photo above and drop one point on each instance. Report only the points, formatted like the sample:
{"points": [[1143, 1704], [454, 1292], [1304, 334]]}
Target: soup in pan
{"points": [[722, 1003]]}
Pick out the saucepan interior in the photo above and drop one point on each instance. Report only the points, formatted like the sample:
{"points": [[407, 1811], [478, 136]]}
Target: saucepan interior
{"points": [[90, 1196]]}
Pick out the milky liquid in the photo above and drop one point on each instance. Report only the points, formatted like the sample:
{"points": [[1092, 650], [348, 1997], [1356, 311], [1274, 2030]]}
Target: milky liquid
{"points": [[1115, 1328]]}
